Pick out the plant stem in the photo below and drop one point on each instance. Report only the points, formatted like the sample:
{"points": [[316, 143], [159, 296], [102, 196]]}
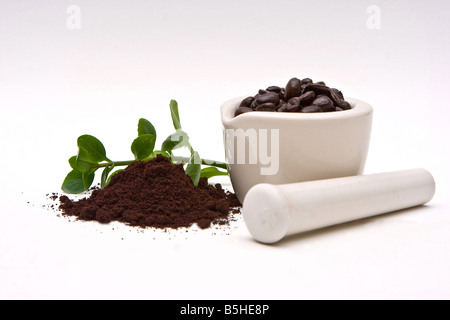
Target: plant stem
{"points": [[212, 163], [115, 163]]}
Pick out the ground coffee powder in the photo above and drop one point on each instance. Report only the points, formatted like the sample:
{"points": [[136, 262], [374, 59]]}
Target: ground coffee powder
{"points": [[156, 194]]}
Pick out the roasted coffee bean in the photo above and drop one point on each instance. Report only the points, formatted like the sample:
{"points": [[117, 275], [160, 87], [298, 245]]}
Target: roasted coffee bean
{"points": [[261, 91], [242, 110], [246, 102], [329, 109], [292, 107], [318, 89], [338, 92], [339, 109], [335, 97], [303, 88], [307, 98], [324, 103], [283, 107], [311, 109], [280, 104], [345, 105], [295, 101], [253, 104], [271, 97], [256, 96], [268, 106], [321, 82], [338, 102], [274, 89], [306, 81], [293, 88]]}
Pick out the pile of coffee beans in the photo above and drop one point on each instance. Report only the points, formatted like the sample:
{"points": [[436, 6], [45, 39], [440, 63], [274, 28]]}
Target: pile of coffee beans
{"points": [[298, 95]]}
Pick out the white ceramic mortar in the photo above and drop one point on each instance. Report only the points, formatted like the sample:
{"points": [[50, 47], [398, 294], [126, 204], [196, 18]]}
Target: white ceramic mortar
{"points": [[309, 146]]}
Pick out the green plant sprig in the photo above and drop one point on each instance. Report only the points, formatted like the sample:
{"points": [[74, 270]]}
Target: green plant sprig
{"points": [[91, 156]]}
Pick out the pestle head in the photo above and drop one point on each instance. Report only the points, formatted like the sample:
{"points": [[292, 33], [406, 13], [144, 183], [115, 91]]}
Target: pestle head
{"points": [[265, 213]]}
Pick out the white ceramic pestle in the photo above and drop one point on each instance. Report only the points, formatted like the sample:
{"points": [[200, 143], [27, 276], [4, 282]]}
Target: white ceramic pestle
{"points": [[272, 212]]}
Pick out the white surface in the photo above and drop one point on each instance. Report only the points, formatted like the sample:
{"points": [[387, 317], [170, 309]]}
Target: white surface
{"points": [[130, 58], [272, 212]]}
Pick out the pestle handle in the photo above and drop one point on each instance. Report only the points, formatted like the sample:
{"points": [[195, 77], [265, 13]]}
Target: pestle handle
{"points": [[272, 212]]}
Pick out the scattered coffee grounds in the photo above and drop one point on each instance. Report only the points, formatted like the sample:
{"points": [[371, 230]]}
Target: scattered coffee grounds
{"points": [[155, 194], [298, 95]]}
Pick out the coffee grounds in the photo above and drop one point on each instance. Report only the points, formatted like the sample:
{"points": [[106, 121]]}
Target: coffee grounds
{"points": [[155, 194]]}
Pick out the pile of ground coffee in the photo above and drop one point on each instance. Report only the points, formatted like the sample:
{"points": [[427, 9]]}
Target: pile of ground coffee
{"points": [[155, 194]]}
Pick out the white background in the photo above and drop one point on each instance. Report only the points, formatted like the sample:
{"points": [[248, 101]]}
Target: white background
{"points": [[131, 57]]}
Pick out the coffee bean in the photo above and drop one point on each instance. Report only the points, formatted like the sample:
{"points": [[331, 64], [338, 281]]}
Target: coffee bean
{"points": [[283, 107], [303, 88], [271, 97], [345, 105], [280, 104], [318, 89], [274, 89], [256, 96], [321, 82], [292, 107], [242, 110], [268, 106], [246, 102], [294, 101], [338, 92], [293, 88], [307, 98], [339, 109], [338, 102], [306, 81], [324, 103], [329, 109], [311, 109], [335, 98]]}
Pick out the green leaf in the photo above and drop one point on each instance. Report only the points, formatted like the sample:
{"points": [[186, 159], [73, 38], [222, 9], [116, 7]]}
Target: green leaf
{"points": [[83, 162], [94, 151], [104, 179], [88, 178], [212, 172], [76, 182], [73, 183], [73, 163], [175, 115], [143, 146], [193, 168], [112, 174], [174, 141], [78, 179], [146, 127]]}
